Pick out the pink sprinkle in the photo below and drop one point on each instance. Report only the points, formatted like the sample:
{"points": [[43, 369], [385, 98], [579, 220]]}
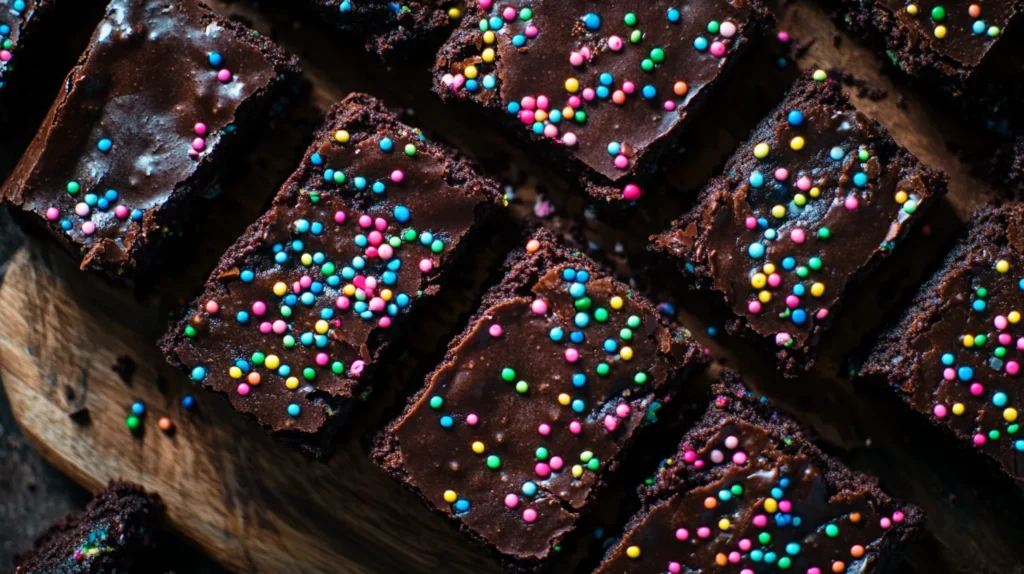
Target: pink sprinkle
{"points": [[1020, 344], [542, 469], [774, 280], [746, 571], [682, 534], [572, 355], [212, 307], [781, 174], [589, 94], [814, 570], [623, 410], [527, 116], [669, 105], [731, 442], [339, 217], [948, 374], [386, 252], [224, 75], [585, 50], [821, 314], [529, 103], [322, 359], [1001, 322], [509, 13], [511, 500], [121, 212], [760, 520], [979, 439], [739, 457], [539, 306], [377, 304], [940, 411], [265, 327], [615, 43], [82, 209], [530, 515], [243, 389], [703, 532], [357, 368], [782, 339], [495, 330], [750, 222], [557, 463], [804, 183], [343, 302], [365, 221], [199, 128], [380, 223], [5, 55], [259, 308], [576, 59], [485, 4], [544, 429], [551, 131], [472, 419], [628, 87], [611, 423], [897, 517], [305, 281], [797, 235], [280, 327], [698, 464], [734, 557], [375, 237], [631, 192], [754, 307], [689, 456], [1012, 367], [574, 101], [745, 544], [569, 139], [575, 427], [675, 567], [52, 214], [1005, 338], [851, 202], [717, 49], [621, 161], [426, 265], [977, 389], [397, 176], [783, 37], [792, 301], [785, 505], [885, 523], [543, 102]]}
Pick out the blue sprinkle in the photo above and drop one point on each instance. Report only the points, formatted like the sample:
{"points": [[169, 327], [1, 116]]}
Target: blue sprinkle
{"points": [[577, 290], [188, 402], [91, 199], [788, 263], [138, 408], [576, 337], [247, 276], [583, 276], [137, 215], [860, 179], [302, 226], [1019, 445], [569, 274], [978, 27], [795, 118], [602, 92], [518, 41], [215, 59], [316, 159], [756, 179], [489, 82], [472, 85], [556, 334], [401, 213], [316, 229], [836, 153], [610, 345], [242, 317], [999, 399], [701, 43], [614, 148], [496, 23], [294, 410], [799, 316], [461, 505], [359, 182], [978, 304], [18, 5], [947, 359], [198, 374], [579, 379], [378, 187], [606, 78], [649, 92], [581, 320], [386, 144], [346, 6], [965, 373], [447, 421], [673, 15], [592, 21], [105, 144], [529, 488], [111, 195], [756, 250], [799, 289]]}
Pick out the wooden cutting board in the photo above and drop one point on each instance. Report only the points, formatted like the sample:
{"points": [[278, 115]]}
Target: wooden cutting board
{"points": [[256, 506]]}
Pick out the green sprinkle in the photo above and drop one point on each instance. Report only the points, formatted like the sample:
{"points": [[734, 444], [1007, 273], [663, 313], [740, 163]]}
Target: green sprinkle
{"points": [[824, 233], [633, 322], [132, 422], [640, 378], [832, 530], [436, 402], [190, 331], [338, 367], [522, 387], [603, 369], [635, 36], [601, 315], [410, 149], [542, 453], [74, 188], [258, 358], [658, 55], [493, 462], [508, 374], [630, 19], [938, 13]]}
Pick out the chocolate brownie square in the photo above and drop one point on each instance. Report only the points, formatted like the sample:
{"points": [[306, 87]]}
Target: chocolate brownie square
{"points": [[392, 28]]}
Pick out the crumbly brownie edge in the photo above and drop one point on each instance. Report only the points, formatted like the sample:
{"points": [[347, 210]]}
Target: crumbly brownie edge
{"points": [[360, 112], [523, 270]]}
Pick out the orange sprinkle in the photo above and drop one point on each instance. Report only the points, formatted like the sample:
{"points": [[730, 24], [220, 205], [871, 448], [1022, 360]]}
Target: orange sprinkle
{"points": [[710, 502], [857, 551], [974, 10], [838, 567], [165, 424], [855, 517], [532, 246], [619, 97], [680, 88], [254, 378], [721, 559]]}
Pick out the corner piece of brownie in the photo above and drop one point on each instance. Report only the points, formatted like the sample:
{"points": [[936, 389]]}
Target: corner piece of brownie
{"points": [[554, 377], [113, 534], [956, 354], [392, 28], [140, 127], [809, 205], [748, 493], [603, 90], [302, 308]]}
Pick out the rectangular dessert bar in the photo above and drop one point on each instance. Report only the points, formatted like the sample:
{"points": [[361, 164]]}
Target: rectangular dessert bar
{"points": [[808, 205], [551, 381], [392, 28], [603, 90], [301, 309], [955, 356], [141, 125], [946, 43], [748, 493]]}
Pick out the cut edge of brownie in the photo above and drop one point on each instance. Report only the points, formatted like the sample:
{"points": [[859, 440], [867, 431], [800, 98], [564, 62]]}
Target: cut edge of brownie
{"points": [[461, 45], [735, 401], [145, 249], [522, 271], [360, 113], [806, 91], [123, 505]]}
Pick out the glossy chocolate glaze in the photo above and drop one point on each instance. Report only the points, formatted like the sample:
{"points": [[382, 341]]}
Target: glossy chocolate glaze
{"points": [[960, 42]]}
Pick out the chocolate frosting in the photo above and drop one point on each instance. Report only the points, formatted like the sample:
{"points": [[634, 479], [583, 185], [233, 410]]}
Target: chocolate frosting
{"points": [[764, 508], [13, 23], [966, 38], [325, 276], [148, 78], [534, 424]]}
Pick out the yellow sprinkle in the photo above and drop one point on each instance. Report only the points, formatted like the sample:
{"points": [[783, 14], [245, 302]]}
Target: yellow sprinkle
{"points": [[912, 9], [723, 524], [292, 383], [968, 340], [815, 192], [488, 55], [901, 197], [797, 143], [577, 470], [761, 150], [779, 211], [454, 13], [771, 505], [764, 296], [572, 85], [1010, 414], [626, 353], [940, 32], [322, 326], [568, 112], [450, 497], [272, 362], [633, 552], [470, 72], [818, 289], [769, 268], [800, 200], [616, 302], [280, 289], [478, 447], [489, 37], [564, 399], [235, 373], [341, 136], [958, 409], [386, 294], [1013, 316], [1002, 266], [306, 259], [348, 290], [758, 281]]}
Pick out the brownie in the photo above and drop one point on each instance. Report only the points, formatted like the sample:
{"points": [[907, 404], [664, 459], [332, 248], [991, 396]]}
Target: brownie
{"points": [[392, 28], [955, 355], [113, 535], [141, 126], [945, 43], [747, 492], [600, 90], [1005, 168], [815, 198], [304, 305], [553, 378]]}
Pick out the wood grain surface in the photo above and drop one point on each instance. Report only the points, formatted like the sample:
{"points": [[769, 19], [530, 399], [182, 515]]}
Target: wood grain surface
{"points": [[255, 506]]}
